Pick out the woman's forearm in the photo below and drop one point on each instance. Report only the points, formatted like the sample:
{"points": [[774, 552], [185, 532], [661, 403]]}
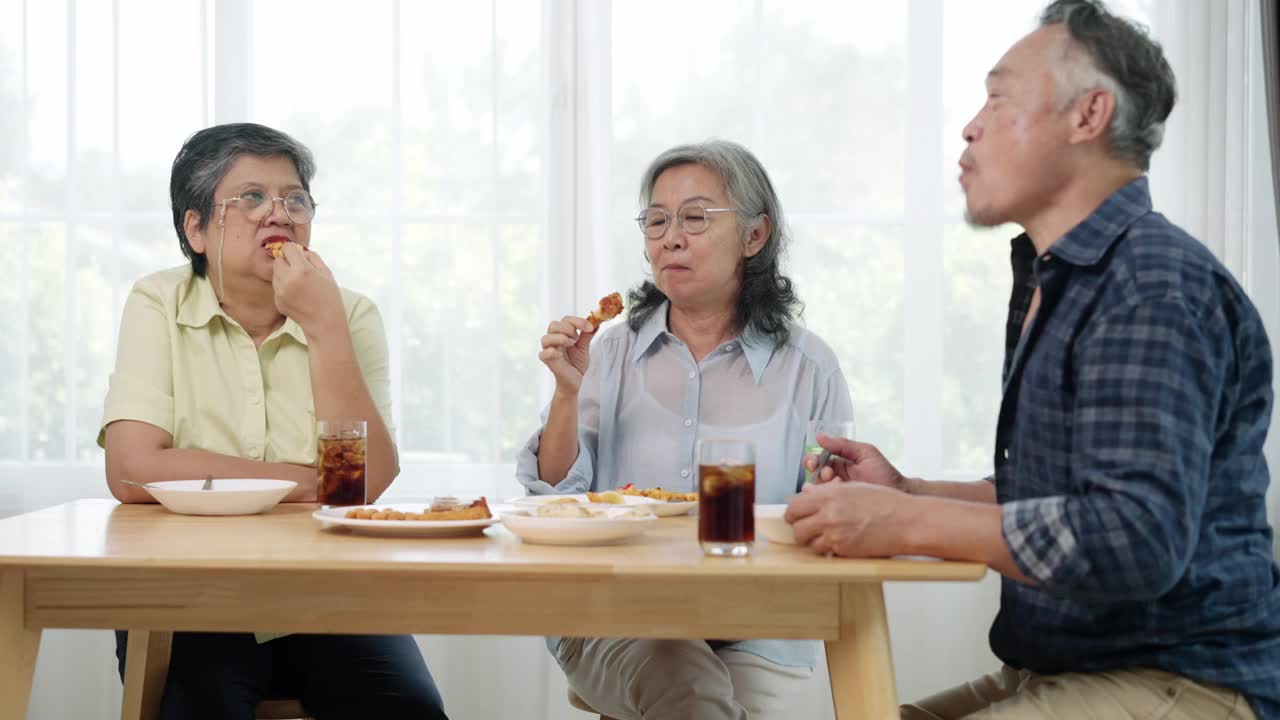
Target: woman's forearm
{"points": [[340, 393], [558, 446], [144, 466]]}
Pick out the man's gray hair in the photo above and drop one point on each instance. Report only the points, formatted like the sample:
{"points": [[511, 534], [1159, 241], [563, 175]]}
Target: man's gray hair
{"points": [[1111, 53], [767, 300]]}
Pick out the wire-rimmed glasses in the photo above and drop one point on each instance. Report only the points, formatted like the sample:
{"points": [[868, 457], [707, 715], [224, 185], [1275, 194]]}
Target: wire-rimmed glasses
{"points": [[257, 205], [693, 217]]}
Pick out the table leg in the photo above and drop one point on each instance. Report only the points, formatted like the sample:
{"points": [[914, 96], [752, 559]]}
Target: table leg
{"points": [[19, 645], [861, 661], [146, 665]]}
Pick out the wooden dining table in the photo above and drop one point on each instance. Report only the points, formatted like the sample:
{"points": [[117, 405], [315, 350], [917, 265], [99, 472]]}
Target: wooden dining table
{"points": [[99, 564]]}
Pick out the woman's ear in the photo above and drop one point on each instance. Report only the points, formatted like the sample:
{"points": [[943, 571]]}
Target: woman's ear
{"points": [[195, 235], [758, 235]]}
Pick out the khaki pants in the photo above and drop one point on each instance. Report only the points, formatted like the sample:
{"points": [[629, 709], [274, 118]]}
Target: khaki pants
{"points": [[631, 679], [1140, 694]]}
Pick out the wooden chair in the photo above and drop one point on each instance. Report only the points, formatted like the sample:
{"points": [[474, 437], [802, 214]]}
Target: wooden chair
{"points": [[579, 703], [286, 709]]}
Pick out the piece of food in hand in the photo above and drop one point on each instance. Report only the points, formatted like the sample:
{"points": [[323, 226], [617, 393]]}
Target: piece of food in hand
{"points": [[276, 247], [609, 497], [609, 308]]}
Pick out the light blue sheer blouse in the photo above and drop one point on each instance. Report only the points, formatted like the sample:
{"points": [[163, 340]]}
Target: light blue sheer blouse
{"points": [[644, 403]]}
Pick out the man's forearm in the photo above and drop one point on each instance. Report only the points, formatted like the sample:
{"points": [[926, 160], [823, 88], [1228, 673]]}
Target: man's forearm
{"points": [[960, 530], [978, 491]]}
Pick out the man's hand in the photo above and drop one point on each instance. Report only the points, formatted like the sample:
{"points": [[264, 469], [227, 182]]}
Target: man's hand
{"points": [[855, 461], [852, 519]]}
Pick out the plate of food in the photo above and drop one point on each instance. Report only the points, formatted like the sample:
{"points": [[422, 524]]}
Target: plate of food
{"points": [[443, 517], [608, 497], [668, 503], [578, 523]]}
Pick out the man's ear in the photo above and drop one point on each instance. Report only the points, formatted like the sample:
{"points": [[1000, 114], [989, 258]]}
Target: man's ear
{"points": [[759, 235], [195, 235], [1091, 115]]}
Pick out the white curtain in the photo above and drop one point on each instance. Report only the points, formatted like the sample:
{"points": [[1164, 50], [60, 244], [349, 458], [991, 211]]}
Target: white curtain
{"points": [[478, 168]]}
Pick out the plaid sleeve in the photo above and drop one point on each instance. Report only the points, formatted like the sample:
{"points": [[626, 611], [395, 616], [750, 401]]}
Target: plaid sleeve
{"points": [[1146, 380]]}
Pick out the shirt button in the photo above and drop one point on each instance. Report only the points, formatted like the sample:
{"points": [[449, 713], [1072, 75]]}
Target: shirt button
{"points": [[255, 452], [1006, 453], [692, 374], [688, 422], [684, 473], [257, 401]]}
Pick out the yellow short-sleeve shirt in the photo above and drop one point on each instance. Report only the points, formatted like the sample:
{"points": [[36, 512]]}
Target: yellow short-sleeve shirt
{"points": [[186, 367]]}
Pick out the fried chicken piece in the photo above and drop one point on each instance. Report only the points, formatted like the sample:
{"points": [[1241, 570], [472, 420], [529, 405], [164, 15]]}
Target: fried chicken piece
{"points": [[609, 308]]}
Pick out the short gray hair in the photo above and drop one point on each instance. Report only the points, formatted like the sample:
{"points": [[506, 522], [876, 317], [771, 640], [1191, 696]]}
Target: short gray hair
{"points": [[1114, 54], [205, 159], [767, 300]]}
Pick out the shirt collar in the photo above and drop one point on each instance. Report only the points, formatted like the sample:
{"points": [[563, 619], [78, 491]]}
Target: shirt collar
{"points": [[200, 305], [1087, 242], [756, 347]]}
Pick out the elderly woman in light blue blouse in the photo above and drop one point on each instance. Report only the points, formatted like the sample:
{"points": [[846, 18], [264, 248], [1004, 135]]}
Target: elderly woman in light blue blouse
{"points": [[710, 347]]}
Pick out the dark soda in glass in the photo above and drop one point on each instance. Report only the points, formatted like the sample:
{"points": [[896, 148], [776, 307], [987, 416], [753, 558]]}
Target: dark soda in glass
{"points": [[726, 501], [341, 465]]}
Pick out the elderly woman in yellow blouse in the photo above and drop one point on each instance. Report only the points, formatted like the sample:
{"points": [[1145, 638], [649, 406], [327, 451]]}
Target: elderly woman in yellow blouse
{"points": [[224, 364]]}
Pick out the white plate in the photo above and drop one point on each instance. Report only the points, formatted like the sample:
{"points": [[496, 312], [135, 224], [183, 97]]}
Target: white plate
{"points": [[770, 523], [337, 517], [574, 531], [536, 500], [671, 509], [247, 496]]}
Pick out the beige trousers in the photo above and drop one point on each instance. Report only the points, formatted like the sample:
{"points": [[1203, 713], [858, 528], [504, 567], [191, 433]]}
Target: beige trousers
{"points": [[1138, 694], [630, 679]]}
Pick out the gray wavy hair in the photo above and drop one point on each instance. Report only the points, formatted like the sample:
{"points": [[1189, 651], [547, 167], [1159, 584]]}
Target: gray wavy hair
{"points": [[767, 300], [1111, 53]]}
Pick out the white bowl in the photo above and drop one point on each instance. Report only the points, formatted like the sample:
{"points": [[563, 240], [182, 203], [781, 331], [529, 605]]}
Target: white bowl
{"points": [[574, 531], [770, 523], [226, 497]]}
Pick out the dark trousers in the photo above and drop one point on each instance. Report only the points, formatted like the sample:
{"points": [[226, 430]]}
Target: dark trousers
{"points": [[222, 676]]}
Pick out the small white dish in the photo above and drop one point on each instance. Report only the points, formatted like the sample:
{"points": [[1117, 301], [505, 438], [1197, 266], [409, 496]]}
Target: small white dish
{"points": [[770, 523], [240, 496], [574, 531], [673, 508], [337, 517]]}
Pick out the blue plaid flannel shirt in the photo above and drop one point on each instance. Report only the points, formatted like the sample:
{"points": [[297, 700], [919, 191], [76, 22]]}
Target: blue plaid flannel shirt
{"points": [[1129, 460]]}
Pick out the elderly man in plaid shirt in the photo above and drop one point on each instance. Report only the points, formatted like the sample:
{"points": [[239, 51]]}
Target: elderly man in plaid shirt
{"points": [[1127, 510]]}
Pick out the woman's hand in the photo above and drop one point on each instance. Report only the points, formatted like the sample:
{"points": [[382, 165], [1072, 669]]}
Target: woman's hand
{"points": [[565, 351], [306, 291]]}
